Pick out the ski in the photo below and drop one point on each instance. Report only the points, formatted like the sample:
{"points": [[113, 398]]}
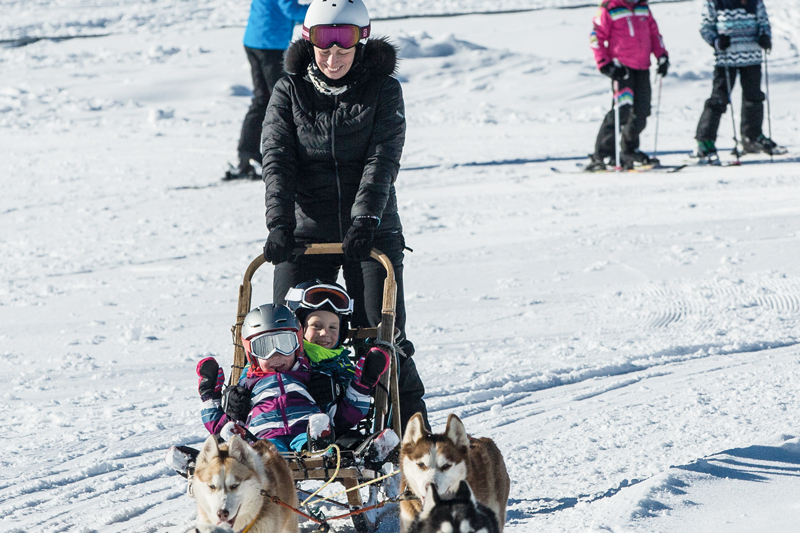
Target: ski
{"points": [[715, 164], [667, 169], [749, 158], [778, 150]]}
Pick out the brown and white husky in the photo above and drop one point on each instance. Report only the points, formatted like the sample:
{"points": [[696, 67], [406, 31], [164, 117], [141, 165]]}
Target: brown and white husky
{"points": [[231, 484], [444, 460]]}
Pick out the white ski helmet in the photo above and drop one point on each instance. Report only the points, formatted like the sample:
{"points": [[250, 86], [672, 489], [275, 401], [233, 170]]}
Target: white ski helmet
{"points": [[336, 13]]}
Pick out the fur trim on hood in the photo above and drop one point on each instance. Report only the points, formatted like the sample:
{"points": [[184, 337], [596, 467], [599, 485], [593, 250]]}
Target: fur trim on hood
{"points": [[377, 56]]}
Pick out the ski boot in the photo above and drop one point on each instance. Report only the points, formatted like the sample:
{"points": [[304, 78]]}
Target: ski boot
{"points": [[241, 173], [635, 158], [707, 153], [596, 164], [761, 144]]}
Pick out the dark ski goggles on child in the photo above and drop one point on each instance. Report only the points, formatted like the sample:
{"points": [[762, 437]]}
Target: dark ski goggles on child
{"points": [[317, 296]]}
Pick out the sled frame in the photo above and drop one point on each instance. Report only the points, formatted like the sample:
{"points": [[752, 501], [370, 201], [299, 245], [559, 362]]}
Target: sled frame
{"points": [[386, 405]]}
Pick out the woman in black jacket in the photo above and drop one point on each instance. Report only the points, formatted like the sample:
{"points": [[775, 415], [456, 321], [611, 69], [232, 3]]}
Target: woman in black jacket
{"points": [[332, 139]]}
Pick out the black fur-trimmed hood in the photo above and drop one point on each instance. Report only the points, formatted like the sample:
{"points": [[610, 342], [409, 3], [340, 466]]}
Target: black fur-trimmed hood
{"points": [[378, 56]]}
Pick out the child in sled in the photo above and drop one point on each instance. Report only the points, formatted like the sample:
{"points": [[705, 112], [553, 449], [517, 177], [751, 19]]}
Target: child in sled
{"points": [[272, 399], [324, 311], [625, 34], [738, 30]]}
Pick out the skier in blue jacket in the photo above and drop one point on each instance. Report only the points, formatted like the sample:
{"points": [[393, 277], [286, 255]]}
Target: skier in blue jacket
{"points": [[268, 33]]}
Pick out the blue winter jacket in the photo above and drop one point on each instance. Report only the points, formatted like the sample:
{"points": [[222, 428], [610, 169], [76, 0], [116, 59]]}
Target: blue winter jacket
{"points": [[271, 22]]}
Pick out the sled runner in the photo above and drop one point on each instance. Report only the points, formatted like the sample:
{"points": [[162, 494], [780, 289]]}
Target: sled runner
{"points": [[367, 457]]}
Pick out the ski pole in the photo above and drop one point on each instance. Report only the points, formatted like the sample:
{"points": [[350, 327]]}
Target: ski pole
{"points": [[617, 165], [733, 118], [769, 112], [658, 115]]}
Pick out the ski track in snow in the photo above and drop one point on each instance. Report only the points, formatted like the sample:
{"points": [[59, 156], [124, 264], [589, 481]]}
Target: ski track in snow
{"points": [[625, 340]]}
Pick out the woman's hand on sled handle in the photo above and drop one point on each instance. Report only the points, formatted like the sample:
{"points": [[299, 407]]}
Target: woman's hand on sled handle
{"points": [[280, 245], [357, 243], [211, 379]]}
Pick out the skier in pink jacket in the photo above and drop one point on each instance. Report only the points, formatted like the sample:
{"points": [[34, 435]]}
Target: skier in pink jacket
{"points": [[624, 35]]}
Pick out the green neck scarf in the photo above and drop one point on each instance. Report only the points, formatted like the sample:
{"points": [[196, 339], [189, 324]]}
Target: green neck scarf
{"points": [[316, 353]]}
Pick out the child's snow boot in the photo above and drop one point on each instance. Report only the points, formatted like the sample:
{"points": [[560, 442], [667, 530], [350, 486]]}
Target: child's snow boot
{"points": [[596, 164], [642, 158], [243, 172], [707, 153], [761, 144], [183, 460], [320, 433]]}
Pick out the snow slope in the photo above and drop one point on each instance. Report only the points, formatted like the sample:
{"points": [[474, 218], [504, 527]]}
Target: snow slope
{"points": [[629, 341]]}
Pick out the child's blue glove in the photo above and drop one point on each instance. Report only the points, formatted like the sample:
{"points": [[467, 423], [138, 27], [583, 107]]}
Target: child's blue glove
{"points": [[211, 379], [371, 367]]}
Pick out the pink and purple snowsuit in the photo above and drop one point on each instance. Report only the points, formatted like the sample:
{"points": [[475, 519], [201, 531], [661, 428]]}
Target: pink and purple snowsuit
{"points": [[626, 31], [281, 404]]}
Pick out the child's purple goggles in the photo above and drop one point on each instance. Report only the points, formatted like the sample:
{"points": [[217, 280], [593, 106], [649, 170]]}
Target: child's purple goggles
{"points": [[342, 35]]}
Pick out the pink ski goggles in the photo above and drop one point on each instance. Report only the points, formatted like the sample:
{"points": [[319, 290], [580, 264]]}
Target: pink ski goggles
{"points": [[342, 35]]}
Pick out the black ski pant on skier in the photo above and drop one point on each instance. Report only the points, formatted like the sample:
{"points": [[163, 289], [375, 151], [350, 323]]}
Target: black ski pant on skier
{"points": [[266, 67], [364, 282], [634, 108], [752, 116]]}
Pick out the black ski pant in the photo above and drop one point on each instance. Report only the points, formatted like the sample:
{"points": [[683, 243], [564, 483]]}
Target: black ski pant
{"points": [[752, 117], [364, 283], [266, 67], [634, 108]]}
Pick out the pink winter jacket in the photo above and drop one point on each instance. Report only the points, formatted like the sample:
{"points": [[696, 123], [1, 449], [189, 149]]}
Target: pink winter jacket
{"points": [[626, 31]]}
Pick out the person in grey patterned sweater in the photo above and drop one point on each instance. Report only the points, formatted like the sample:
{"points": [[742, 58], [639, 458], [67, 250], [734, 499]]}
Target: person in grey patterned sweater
{"points": [[739, 31]]}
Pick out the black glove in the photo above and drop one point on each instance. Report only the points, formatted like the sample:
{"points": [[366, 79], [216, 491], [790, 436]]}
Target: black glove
{"points": [[280, 244], [236, 403], [371, 367], [323, 388], [616, 73], [211, 379], [663, 65], [723, 42], [764, 41], [357, 243]]}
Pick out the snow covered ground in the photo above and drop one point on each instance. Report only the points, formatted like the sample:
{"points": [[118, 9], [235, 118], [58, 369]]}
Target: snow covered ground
{"points": [[629, 341]]}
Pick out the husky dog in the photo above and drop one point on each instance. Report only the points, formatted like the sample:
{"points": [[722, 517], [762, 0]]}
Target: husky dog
{"points": [[462, 514], [233, 482], [446, 459]]}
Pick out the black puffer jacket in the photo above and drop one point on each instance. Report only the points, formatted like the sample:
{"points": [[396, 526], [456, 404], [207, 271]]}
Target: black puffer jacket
{"points": [[331, 158]]}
